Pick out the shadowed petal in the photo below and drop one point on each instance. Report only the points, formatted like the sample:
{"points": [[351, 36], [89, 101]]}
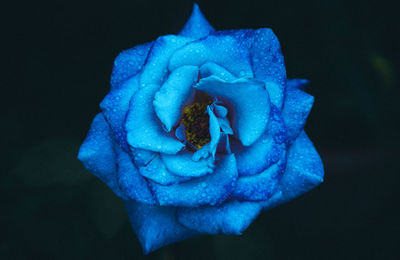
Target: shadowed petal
{"points": [[143, 129], [212, 189], [266, 150], [128, 63], [183, 165], [169, 100], [268, 63], [142, 157], [261, 186], [266, 58], [157, 172], [115, 106], [130, 181], [156, 226], [248, 101], [295, 111], [98, 156], [304, 171], [197, 26], [223, 50], [232, 217]]}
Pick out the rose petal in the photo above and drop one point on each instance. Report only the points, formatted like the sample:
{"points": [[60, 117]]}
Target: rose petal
{"points": [[232, 217], [128, 63], [115, 106], [212, 189], [97, 154], [266, 57], [268, 63], [157, 172], [221, 111], [304, 171], [183, 165], [156, 66], [130, 181], [143, 129], [266, 150], [215, 133], [261, 186], [142, 157], [223, 50], [211, 68], [248, 101], [180, 132], [197, 26], [156, 226], [169, 100], [295, 111]]}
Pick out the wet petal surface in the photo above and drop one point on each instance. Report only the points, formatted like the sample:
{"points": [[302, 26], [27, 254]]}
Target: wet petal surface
{"points": [[232, 217], [295, 111], [223, 50], [169, 100], [183, 165], [130, 181], [304, 171], [212, 189], [97, 154], [143, 129], [155, 226]]}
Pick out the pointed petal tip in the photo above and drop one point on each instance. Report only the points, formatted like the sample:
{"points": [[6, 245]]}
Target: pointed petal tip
{"points": [[197, 25]]}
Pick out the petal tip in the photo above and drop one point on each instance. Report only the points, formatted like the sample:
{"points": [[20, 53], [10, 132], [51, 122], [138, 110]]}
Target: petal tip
{"points": [[197, 25]]}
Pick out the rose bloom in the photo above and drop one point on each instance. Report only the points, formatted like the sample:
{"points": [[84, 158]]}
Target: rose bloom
{"points": [[201, 131]]}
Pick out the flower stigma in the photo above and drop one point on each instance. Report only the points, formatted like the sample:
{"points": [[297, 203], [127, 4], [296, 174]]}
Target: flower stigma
{"points": [[196, 121]]}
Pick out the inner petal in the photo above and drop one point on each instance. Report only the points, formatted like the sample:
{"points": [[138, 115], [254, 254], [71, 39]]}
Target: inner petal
{"points": [[248, 101]]}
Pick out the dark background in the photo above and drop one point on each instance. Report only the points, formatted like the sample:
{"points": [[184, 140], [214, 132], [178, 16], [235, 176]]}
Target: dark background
{"points": [[56, 62]]}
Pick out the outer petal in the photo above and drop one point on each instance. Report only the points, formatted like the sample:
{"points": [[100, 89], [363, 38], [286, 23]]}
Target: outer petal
{"points": [[249, 101], [129, 63], [266, 150], [267, 59], [156, 226], [260, 187], [115, 106], [183, 165], [222, 49], [295, 111], [156, 66], [169, 100], [157, 172], [304, 171], [143, 129], [130, 181], [97, 154], [208, 190], [232, 217], [197, 26]]}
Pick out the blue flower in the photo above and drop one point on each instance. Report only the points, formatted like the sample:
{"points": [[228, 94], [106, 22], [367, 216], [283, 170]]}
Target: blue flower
{"points": [[201, 131]]}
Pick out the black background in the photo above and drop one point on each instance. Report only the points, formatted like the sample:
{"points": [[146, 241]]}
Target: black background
{"points": [[56, 60]]}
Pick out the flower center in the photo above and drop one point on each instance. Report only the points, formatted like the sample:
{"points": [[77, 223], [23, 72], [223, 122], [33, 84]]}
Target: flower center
{"points": [[196, 121]]}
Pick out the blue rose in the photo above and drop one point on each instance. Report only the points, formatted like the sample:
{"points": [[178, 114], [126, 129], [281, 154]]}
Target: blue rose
{"points": [[201, 131]]}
